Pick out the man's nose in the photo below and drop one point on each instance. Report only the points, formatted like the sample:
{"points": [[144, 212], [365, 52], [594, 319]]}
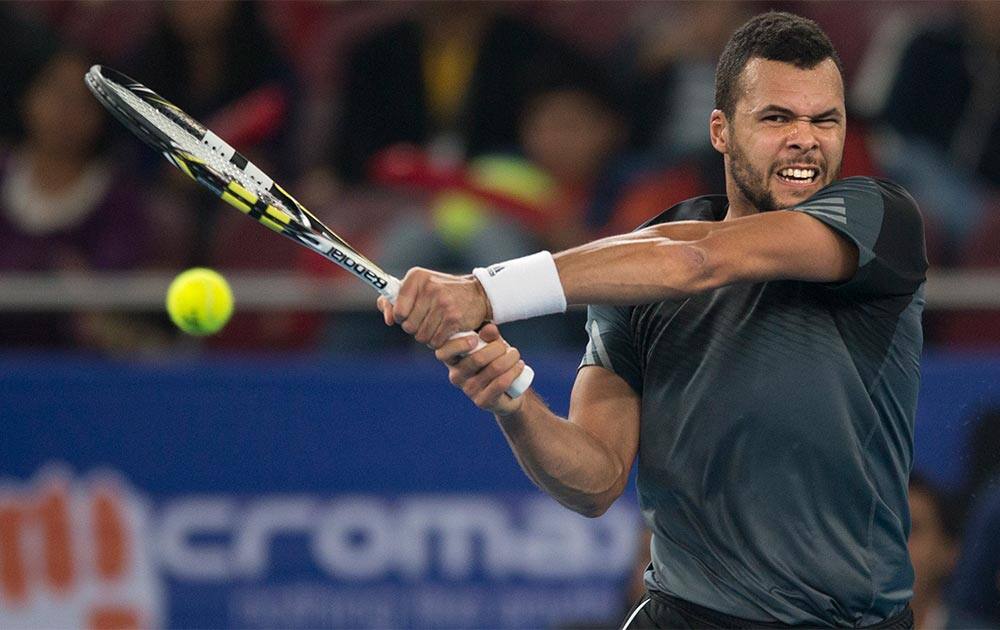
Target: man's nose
{"points": [[801, 136]]}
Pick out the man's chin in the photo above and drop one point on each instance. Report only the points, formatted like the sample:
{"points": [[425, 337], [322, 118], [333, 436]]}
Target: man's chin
{"points": [[785, 198]]}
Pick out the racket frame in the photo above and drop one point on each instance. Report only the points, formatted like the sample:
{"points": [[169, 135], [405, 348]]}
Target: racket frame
{"points": [[257, 195]]}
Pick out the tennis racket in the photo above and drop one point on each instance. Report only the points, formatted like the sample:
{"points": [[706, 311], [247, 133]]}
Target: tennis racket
{"points": [[210, 161]]}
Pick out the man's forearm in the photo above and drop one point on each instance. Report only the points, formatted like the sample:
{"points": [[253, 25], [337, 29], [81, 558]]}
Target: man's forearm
{"points": [[657, 263], [563, 459]]}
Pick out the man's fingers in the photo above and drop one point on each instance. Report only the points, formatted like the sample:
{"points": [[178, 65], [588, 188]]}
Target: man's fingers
{"points": [[456, 349], [477, 360], [485, 375], [385, 306], [429, 326], [490, 396], [489, 333], [409, 288], [411, 323], [494, 369]]}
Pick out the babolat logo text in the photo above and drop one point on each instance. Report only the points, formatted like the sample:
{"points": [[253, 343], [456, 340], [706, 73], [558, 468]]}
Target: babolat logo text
{"points": [[346, 260], [329, 249]]}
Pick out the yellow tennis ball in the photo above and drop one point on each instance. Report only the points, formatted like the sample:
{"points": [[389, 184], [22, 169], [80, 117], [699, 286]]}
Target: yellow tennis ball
{"points": [[200, 301]]}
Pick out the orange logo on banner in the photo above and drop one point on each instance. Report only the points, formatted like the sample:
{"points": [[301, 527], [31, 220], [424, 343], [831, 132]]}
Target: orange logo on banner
{"points": [[43, 549]]}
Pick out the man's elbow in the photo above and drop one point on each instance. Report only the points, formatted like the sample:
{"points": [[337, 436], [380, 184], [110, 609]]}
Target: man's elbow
{"points": [[694, 267], [594, 505], [595, 510]]}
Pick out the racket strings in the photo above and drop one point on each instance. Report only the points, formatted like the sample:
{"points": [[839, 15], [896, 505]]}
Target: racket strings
{"points": [[187, 143], [207, 159]]}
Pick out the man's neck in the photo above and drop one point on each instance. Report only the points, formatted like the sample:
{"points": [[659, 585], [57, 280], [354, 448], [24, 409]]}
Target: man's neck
{"points": [[739, 205]]}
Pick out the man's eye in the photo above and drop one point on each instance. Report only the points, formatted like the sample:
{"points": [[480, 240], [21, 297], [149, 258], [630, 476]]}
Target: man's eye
{"points": [[776, 118], [826, 123]]}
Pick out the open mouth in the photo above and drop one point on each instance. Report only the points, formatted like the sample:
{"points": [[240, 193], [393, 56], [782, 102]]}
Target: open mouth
{"points": [[800, 175]]}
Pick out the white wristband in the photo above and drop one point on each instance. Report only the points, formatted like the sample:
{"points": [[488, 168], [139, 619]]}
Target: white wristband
{"points": [[523, 287]]}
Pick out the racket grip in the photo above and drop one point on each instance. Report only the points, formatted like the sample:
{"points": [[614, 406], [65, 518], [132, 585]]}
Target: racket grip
{"points": [[523, 380]]}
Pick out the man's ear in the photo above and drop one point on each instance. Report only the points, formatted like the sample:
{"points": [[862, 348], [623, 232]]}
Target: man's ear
{"points": [[718, 131]]}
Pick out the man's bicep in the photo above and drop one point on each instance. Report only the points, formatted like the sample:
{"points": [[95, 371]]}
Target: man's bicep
{"points": [[783, 245], [606, 406], [864, 234], [883, 223]]}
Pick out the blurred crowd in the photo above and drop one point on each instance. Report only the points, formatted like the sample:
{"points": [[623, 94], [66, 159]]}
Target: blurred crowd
{"points": [[454, 134], [953, 542], [448, 134]]}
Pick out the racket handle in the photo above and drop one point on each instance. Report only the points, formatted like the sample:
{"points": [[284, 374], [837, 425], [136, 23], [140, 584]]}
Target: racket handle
{"points": [[523, 380]]}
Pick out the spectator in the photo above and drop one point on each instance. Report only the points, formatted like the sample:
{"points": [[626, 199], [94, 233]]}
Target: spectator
{"points": [[63, 207], [24, 48], [976, 586], [673, 53], [946, 86], [935, 524], [204, 56], [944, 119], [219, 63], [983, 449], [452, 79], [558, 193], [566, 181]]}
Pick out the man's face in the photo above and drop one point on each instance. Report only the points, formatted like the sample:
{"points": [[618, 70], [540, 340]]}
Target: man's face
{"points": [[785, 140]]}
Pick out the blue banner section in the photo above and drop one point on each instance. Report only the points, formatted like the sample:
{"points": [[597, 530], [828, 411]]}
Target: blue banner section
{"points": [[334, 492], [326, 425]]}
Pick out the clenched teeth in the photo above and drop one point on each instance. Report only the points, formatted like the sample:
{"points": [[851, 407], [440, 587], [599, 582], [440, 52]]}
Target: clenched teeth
{"points": [[798, 173]]}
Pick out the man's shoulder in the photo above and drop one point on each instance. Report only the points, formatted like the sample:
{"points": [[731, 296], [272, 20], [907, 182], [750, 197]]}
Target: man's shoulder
{"points": [[878, 185], [864, 192], [703, 208]]}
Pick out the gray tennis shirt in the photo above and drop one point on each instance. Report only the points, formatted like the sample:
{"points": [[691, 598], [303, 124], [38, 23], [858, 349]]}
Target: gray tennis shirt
{"points": [[777, 422]]}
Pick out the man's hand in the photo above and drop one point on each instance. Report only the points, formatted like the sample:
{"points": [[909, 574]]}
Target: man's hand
{"points": [[433, 306], [485, 375]]}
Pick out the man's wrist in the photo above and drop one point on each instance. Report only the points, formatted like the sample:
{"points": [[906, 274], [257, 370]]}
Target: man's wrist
{"points": [[483, 298], [522, 288]]}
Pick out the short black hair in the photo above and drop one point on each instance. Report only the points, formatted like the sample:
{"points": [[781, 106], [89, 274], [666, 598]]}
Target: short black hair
{"points": [[776, 36]]}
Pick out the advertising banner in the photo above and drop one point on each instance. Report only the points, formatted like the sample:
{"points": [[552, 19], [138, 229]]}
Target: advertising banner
{"points": [[338, 492]]}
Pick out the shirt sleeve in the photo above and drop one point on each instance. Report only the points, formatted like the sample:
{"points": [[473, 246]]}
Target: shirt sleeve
{"points": [[610, 344], [883, 221]]}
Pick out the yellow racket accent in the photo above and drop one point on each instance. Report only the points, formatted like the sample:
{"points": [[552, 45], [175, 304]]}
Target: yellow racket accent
{"points": [[277, 227], [182, 164], [280, 216], [239, 197], [236, 202]]}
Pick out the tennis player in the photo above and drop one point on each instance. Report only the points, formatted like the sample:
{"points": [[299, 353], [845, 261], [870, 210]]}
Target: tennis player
{"points": [[758, 350]]}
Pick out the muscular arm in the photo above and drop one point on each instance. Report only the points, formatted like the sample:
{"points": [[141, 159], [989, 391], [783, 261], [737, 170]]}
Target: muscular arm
{"points": [[674, 260], [661, 262], [582, 461]]}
